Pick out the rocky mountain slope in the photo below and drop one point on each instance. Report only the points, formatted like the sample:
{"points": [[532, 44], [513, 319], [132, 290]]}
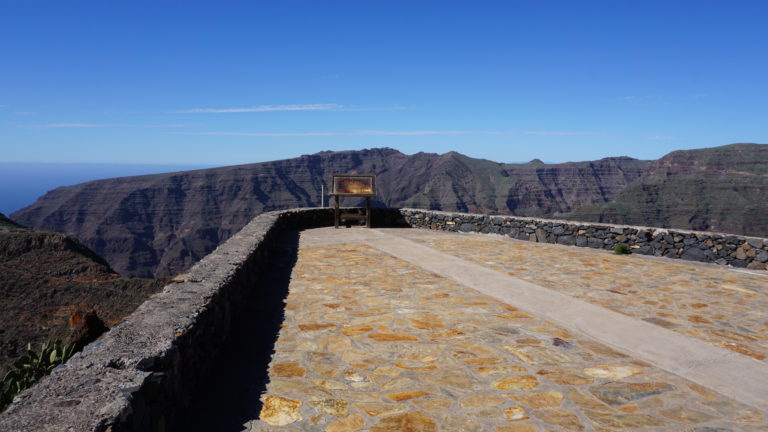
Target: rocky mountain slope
{"points": [[159, 225], [51, 283], [721, 189]]}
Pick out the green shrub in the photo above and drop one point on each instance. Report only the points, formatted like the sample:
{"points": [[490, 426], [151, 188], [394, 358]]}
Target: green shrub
{"points": [[28, 369], [621, 249]]}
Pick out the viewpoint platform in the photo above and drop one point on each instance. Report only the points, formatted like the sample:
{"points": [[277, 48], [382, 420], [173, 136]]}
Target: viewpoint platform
{"points": [[417, 330]]}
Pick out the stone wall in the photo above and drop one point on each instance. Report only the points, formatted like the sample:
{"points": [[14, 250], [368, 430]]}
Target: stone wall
{"points": [[139, 376], [724, 249]]}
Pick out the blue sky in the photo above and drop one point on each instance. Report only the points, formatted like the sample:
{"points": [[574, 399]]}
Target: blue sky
{"points": [[228, 82]]}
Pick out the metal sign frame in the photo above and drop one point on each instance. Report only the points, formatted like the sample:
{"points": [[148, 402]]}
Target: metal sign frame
{"points": [[352, 185], [344, 185]]}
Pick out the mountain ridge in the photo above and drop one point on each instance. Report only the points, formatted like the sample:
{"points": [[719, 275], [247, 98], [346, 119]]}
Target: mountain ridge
{"points": [[160, 224]]}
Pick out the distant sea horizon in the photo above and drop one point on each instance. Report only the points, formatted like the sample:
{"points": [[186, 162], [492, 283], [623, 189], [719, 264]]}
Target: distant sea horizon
{"points": [[22, 183]]}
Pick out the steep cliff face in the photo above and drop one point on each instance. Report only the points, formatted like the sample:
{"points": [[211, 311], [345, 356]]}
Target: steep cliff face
{"points": [[555, 190], [716, 189], [159, 225], [170, 221]]}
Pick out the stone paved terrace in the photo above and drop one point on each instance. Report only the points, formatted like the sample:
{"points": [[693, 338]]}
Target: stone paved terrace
{"points": [[728, 308], [405, 329]]}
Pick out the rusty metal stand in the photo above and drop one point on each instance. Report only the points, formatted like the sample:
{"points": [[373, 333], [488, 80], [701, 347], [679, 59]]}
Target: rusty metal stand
{"points": [[336, 212], [367, 212], [338, 215]]}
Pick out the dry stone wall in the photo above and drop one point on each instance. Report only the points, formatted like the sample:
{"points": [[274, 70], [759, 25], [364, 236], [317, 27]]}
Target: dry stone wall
{"points": [[724, 249], [141, 374]]}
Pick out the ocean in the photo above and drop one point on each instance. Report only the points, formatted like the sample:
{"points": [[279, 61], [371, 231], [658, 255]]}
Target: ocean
{"points": [[22, 183]]}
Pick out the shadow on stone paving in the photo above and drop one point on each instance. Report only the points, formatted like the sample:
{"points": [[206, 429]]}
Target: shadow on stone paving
{"points": [[229, 397]]}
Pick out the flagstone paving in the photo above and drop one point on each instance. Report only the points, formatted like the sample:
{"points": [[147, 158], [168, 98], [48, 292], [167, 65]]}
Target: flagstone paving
{"points": [[725, 307], [371, 342]]}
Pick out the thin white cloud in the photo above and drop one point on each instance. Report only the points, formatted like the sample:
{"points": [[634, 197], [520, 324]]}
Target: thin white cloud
{"points": [[103, 125], [634, 98], [347, 133], [666, 98], [172, 125], [562, 133], [273, 108], [264, 108], [73, 125], [395, 108]]}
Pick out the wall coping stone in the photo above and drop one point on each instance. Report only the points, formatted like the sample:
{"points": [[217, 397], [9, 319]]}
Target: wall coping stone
{"points": [[720, 248], [579, 223]]}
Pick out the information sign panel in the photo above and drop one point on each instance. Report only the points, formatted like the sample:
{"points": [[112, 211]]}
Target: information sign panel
{"points": [[353, 185]]}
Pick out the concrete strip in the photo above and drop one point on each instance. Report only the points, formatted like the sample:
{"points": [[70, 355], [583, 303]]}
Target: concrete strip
{"points": [[741, 378]]}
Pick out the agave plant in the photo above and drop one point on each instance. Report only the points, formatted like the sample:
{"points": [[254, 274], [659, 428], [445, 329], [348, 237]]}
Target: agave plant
{"points": [[621, 249], [28, 369]]}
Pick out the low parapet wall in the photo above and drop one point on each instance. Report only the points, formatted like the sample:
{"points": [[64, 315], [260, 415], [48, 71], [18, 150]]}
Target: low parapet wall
{"points": [[141, 374], [724, 249]]}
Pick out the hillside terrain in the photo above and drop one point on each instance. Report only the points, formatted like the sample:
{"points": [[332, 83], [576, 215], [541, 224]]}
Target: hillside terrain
{"points": [[159, 225], [722, 189], [50, 284]]}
